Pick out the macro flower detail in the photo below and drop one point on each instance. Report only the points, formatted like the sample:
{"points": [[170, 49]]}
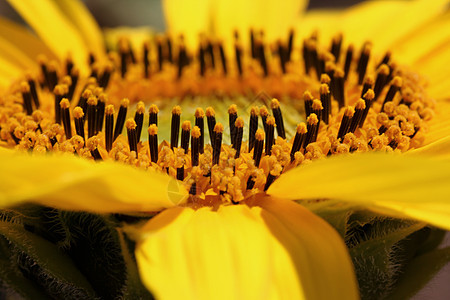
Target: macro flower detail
{"points": [[206, 136]]}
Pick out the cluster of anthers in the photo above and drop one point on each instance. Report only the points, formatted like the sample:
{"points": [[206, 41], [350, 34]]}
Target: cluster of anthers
{"points": [[352, 103]]}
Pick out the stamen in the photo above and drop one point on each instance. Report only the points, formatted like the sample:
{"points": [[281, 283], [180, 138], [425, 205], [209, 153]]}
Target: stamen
{"points": [[394, 88], [52, 75], [253, 126], [82, 102], [175, 127], [317, 108], [211, 119], [201, 58], [91, 115], [139, 119], [363, 61], [185, 133], [69, 65], [124, 51], [273, 174], [26, 96], [59, 91], [33, 91], [283, 56], [121, 117], [153, 115], [299, 139], [368, 84], [336, 46], [223, 59], [106, 76], [252, 43], [270, 138], [308, 98], [160, 53], [146, 59], [312, 129], [325, 98], [275, 104], [348, 61], [182, 60], [339, 87], [238, 55], [261, 53], [210, 53], [239, 125], [368, 99], [195, 145], [78, 115], [264, 113], [74, 75], [232, 116], [259, 145], [290, 44], [65, 113], [382, 80], [92, 145], [153, 142], [169, 48], [218, 131], [385, 59], [200, 123], [109, 125], [42, 60], [345, 123], [91, 59], [100, 113], [131, 133], [359, 111]]}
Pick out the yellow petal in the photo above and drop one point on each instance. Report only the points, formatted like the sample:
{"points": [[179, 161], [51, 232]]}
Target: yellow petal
{"points": [[81, 18], [401, 186], [189, 18], [439, 126], [54, 28], [72, 183], [239, 252]]}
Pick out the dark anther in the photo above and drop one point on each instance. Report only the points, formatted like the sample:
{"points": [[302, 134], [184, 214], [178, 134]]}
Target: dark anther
{"points": [[362, 63], [336, 47], [299, 139], [78, 115], [290, 44], [259, 145], [100, 113], [185, 135], [223, 59], [276, 110], [348, 61], [238, 54], [239, 125], [270, 135], [325, 98], [153, 142], [218, 130], [139, 119], [253, 126], [26, 96], [92, 115], [175, 127], [65, 113], [146, 60], [368, 100], [200, 123], [109, 126], [59, 91], [345, 123], [211, 119], [121, 118], [368, 84], [393, 89], [232, 116], [359, 112], [131, 133], [153, 115], [382, 80]]}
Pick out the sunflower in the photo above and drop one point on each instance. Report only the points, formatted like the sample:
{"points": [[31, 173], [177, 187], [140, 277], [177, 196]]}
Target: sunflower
{"points": [[220, 221]]}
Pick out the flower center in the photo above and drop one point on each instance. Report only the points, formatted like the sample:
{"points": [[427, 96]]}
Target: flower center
{"points": [[330, 103]]}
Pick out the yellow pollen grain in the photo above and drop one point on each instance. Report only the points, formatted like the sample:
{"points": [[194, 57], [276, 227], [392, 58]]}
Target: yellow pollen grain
{"points": [[92, 100], [349, 111], [254, 111], [329, 66], [383, 69], [274, 104], [369, 80], [232, 110], [196, 133], [263, 111], [86, 94], [260, 135], [53, 66], [140, 107], [239, 122], [360, 104], [339, 73], [382, 118], [109, 109], [98, 91], [124, 102], [186, 126], [130, 124], [60, 89], [176, 110], [24, 87], [199, 113], [317, 104], [78, 112], [307, 96], [75, 72], [301, 128], [397, 81], [270, 121], [153, 109], [218, 128], [67, 80], [153, 129], [42, 59], [369, 95], [277, 169], [92, 143], [103, 97], [324, 78], [210, 112], [64, 103], [324, 89], [312, 119]]}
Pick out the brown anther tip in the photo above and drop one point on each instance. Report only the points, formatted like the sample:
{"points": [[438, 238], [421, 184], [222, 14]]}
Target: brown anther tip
{"points": [[92, 143], [330, 66], [339, 73], [324, 78], [324, 89], [153, 129], [274, 104], [367, 48], [109, 109], [124, 102], [199, 113], [103, 97], [92, 100], [301, 128], [153, 109], [349, 111], [263, 111], [232, 110], [259, 135], [130, 124], [254, 111], [78, 112], [351, 47], [369, 80], [307, 96], [218, 128], [64, 103], [270, 121], [196, 132], [24, 87], [86, 94], [239, 122], [176, 110], [383, 69], [210, 112], [42, 59], [60, 89], [369, 95], [186, 126], [98, 91], [312, 119], [360, 104], [317, 104], [397, 81], [140, 107]]}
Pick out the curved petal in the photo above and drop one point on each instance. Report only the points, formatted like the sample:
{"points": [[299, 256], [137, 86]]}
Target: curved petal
{"points": [[242, 252], [401, 186], [68, 182], [54, 28]]}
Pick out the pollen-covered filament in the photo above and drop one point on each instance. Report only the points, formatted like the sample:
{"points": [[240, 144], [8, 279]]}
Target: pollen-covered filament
{"points": [[228, 154]]}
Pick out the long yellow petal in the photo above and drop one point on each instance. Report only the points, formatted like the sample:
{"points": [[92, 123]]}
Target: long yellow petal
{"points": [[54, 28], [72, 183], [82, 19], [239, 252], [401, 186]]}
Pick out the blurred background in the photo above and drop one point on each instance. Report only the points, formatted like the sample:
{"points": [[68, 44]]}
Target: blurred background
{"points": [[112, 13]]}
